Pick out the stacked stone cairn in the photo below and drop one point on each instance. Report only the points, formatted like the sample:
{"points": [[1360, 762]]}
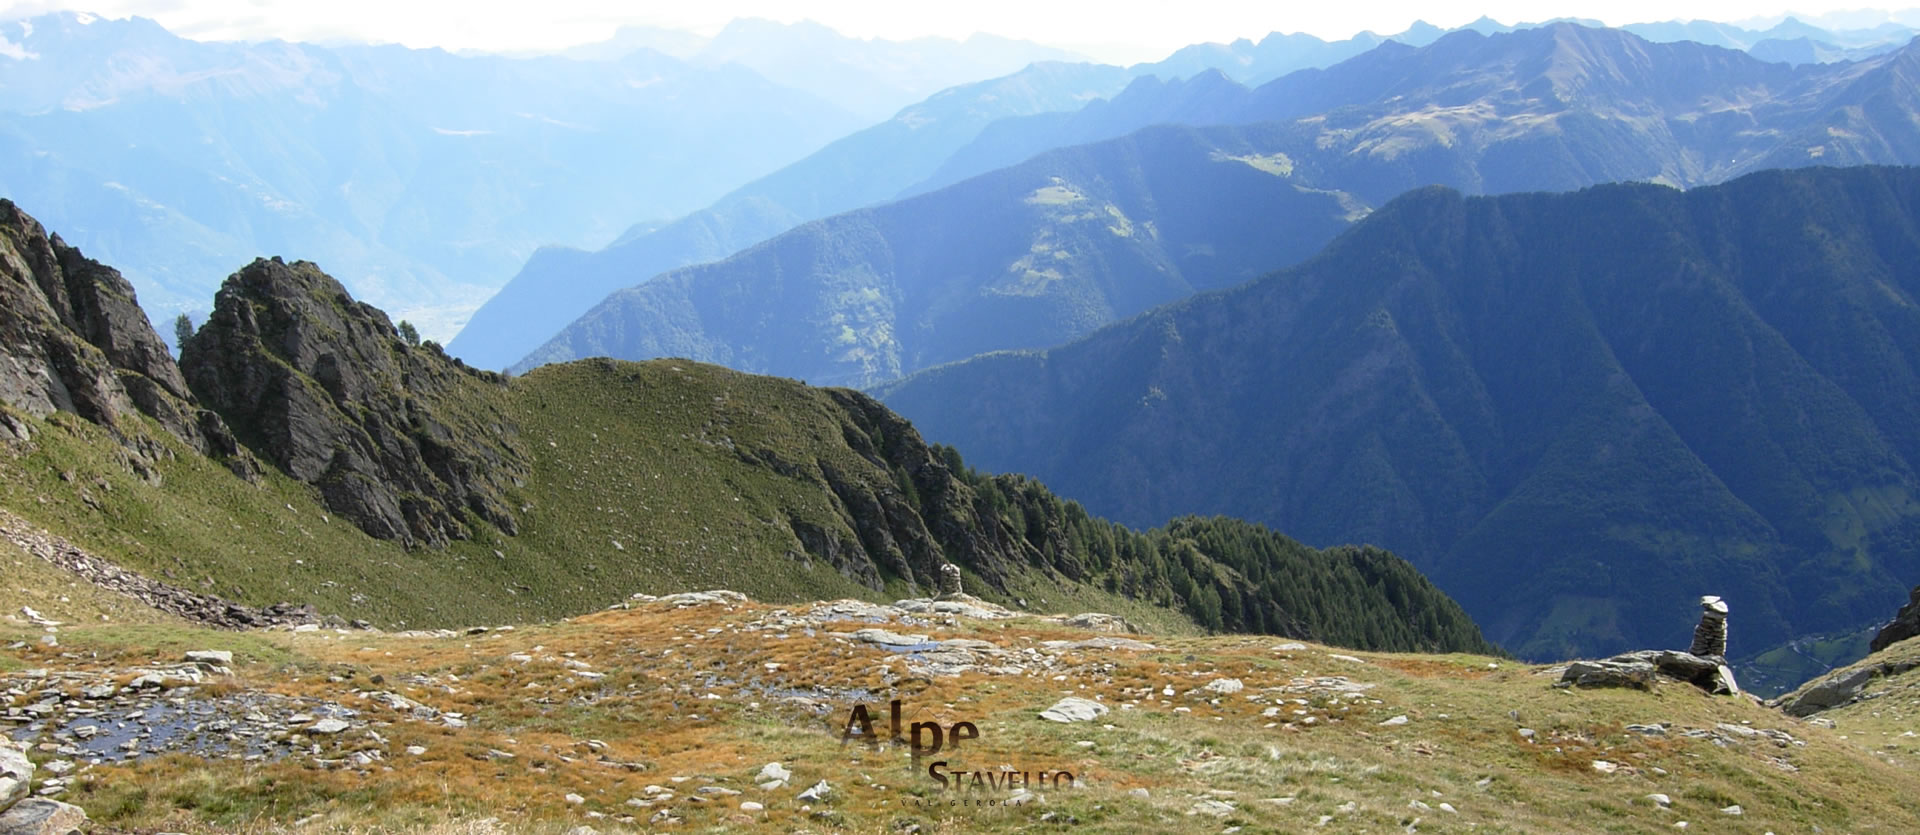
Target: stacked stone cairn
{"points": [[1704, 664]]}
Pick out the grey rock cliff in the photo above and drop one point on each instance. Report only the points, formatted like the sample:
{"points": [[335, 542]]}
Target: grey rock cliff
{"points": [[402, 440], [74, 339]]}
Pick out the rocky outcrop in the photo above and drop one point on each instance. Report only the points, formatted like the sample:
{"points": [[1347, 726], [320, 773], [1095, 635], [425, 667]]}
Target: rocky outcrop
{"points": [[74, 339], [915, 534], [402, 440], [1904, 625], [1638, 670], [1840, 689]]}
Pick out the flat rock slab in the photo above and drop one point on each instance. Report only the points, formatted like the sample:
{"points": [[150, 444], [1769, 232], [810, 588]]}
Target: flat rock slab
{"points": [[40, 816], [1074, 709]]}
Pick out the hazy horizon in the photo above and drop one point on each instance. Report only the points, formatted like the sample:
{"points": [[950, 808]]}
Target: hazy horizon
{"points": [[1121, 33]]}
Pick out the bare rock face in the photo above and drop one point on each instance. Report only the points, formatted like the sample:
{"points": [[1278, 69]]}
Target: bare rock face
{"points": [[1904, 625], [402, 440], [74, 339]]}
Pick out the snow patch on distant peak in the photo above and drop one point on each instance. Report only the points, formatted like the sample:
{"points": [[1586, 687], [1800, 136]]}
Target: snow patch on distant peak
{"points": [[85, 18]]}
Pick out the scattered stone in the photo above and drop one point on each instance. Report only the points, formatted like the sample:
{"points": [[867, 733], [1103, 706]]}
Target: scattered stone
{"points": [[1397, 720], [1733, 810], [1605, 767], [416, 750], [327, 726], [216, 657], [818, 792], [887, 638], [1224, 686], [1074, 709], [1143, 794], [1290, 646], [574, 799], [750, 806], [1660, 800], [1216, 808], [199, 608], [687, 599], [1099, 622], [773, 773]]}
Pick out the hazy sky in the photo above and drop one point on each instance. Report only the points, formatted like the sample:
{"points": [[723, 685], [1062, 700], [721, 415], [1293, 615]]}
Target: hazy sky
{"points": [[1127, 29]]}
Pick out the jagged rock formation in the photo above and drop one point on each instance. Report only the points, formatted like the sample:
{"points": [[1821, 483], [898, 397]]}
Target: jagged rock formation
{"points": [[402, 440], [74, 339], [1904, 625]]}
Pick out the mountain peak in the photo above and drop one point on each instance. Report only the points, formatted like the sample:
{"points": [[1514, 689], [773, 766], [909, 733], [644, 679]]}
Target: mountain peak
{"points": [[401, 439], [74, 339]]}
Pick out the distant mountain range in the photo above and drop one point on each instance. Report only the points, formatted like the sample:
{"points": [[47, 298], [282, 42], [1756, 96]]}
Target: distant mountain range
{"points": [[959, 133], [1054, 247], [871, 166], [871, 78], [423, 178], [1577, 412]]}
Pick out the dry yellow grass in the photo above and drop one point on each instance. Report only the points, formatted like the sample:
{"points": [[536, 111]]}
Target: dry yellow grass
{"points": [[705, 706]]}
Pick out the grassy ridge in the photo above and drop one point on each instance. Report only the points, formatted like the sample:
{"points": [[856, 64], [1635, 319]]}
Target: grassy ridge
{"points": [[671, 475]]}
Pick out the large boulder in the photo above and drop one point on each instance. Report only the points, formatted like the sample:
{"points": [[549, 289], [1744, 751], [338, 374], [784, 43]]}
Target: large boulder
{"points": [[41, 816], [1638, 670], [16, 773], [74, 339], [400, 439]]}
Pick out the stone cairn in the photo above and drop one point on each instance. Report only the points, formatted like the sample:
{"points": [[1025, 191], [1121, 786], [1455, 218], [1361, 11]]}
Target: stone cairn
{"points": [[1710, 637], [949, 580], [1704, 665]]}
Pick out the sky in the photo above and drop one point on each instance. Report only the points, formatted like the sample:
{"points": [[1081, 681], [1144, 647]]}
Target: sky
{"points": [[1103, 29]]}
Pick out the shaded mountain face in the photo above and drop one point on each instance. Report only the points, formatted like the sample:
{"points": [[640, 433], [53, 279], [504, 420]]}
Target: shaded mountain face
{"points": [[564, 491], [1553, 108], [1023, 258], [75, 340], [425, 179], [1577, 412]]}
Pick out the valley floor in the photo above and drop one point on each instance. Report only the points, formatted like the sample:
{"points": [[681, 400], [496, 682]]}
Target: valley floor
{"points": [[671, 713]]}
